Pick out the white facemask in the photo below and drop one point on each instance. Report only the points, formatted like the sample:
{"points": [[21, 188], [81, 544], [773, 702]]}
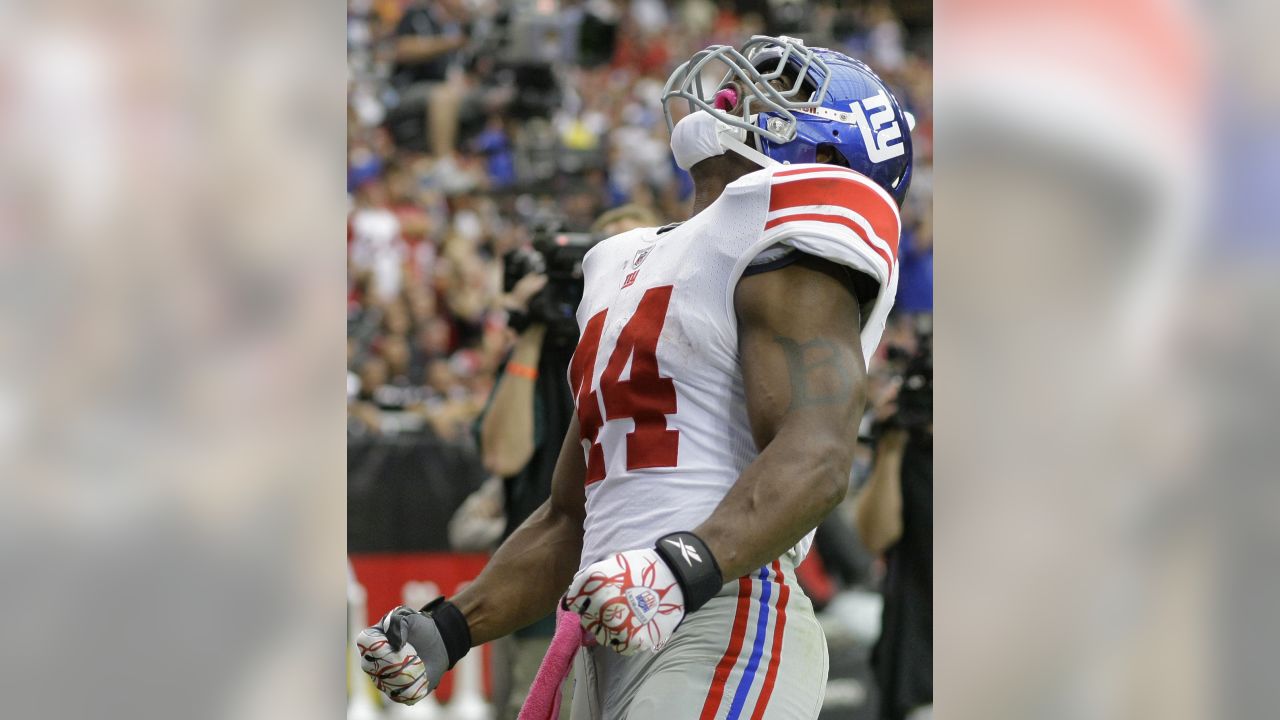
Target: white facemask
{"points": [[699, 135]]}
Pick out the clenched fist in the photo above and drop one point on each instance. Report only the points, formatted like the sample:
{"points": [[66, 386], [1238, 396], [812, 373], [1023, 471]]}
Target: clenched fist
{"points": [[404, 654]]}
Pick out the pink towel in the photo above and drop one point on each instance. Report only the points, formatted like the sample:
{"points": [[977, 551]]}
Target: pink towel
{"points": [[543, 702]]}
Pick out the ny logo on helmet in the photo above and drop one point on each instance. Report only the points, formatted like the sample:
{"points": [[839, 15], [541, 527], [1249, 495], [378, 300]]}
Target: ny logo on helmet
{"points": [[880, 131]]}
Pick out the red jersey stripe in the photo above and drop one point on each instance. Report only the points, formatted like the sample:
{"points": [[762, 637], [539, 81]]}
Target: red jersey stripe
{"points": [[851, 174], [810, 170], [847, 193], [775, 652], [839, 220], [730, 658]]}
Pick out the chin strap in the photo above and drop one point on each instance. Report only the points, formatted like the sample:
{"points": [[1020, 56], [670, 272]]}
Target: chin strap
{"points": [[729, 141]]}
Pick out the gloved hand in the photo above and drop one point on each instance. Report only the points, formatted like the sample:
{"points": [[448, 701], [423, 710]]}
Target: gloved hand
{"points": [[631, 601], [404, 654]]}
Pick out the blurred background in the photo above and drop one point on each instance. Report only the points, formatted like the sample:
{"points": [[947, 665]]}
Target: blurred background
{"points": [[480, 132]]}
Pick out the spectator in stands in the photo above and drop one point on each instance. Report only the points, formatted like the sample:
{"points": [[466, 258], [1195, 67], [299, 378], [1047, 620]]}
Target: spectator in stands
{"points": [[376, 246], [362, 407], [427, 40], [886, 37], [494, 144]]}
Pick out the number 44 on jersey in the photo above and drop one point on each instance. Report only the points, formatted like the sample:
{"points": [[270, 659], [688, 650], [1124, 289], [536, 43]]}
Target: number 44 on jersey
{"points": [[646, 397]]}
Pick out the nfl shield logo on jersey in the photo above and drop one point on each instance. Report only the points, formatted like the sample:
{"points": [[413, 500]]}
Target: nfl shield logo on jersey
{"points": [[635, 266]]}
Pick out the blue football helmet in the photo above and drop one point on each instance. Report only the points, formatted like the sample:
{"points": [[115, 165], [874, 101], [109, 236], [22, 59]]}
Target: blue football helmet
{"points": [[790, 100]]}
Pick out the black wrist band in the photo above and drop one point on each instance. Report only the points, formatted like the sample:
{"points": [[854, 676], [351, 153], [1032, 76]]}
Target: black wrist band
{"points": [[695, 567], [452, 626]]}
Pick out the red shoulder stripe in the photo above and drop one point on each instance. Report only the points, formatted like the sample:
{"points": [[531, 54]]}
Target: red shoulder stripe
{"points": [[847, 193], [840, 220], [808, 170]]}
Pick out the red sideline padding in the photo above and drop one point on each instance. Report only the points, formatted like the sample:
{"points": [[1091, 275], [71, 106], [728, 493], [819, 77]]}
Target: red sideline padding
{"points": [[384, 576]]}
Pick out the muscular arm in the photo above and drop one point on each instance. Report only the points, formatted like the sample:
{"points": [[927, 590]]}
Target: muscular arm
{"points": [[805, 383], [506, 434], [529, 573]]}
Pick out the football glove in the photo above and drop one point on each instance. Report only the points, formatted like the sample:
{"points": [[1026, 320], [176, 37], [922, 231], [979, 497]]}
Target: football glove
{"points": [[404, 654], [629, 602]]}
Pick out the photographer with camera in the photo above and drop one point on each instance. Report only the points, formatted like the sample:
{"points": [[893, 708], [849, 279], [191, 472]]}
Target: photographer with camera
{"points": [[894, 516]]}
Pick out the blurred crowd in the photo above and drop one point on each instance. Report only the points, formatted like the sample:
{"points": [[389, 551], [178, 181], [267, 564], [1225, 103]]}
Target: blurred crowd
{"points": [[471, 120]]}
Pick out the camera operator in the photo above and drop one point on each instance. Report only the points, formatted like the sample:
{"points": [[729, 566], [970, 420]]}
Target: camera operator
{"points": [[894, 515], [531, 400]]}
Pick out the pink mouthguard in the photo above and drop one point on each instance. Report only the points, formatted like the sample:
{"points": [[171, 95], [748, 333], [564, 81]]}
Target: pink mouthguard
{"points": [[726, 99]]}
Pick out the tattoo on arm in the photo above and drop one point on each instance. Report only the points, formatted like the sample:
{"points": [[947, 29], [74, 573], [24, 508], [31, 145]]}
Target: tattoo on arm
{"points": [[819, 374]]}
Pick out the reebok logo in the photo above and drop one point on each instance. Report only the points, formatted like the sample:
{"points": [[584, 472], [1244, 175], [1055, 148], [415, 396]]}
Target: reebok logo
{"points": [[689, 554]]}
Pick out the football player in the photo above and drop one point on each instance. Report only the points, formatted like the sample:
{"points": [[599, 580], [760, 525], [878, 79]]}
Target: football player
{"points": [[719, 382]]}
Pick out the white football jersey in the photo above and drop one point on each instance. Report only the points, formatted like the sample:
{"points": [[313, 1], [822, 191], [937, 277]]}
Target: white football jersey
{"points": [[656, 375]]}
